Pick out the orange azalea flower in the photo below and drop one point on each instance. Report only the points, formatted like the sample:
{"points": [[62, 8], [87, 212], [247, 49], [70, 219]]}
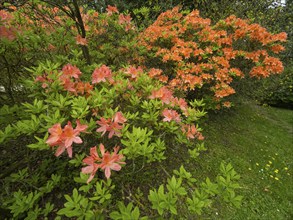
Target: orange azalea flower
{"points": [[95, 14], [273, 65], [79, 86], [82, 88], [88, 88], [223, 92], [227, 104], [111, 9], [191, 132], [258, 71], [236, 72], [155, 72], [163, 79], [80, 40], [280, 37], [107, 162], [277, 48]]}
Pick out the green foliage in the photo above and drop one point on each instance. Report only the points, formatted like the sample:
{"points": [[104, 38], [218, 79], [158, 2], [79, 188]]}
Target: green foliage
{"points": [[77, 206], [197, 196], [162, 201], [26, 205], [278, 91], [126, 212]]}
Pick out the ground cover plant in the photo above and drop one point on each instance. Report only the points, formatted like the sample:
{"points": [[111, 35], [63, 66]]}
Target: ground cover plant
{"points": [[101, 115]]}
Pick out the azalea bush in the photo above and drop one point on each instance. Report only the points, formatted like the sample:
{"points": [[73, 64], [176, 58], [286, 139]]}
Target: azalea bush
{"points": [[35, 32], [122, 121], [204, 59], [101, 120]]}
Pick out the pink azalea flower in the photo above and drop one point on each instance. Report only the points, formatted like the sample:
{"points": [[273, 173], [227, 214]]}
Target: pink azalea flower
{"points": [[105, 125], [71, 71], [181, 103], [102, 73], [164, 94], [134, 72], [113, 126], [70, 135], [114, 129], [55, 135], [92, 167], [170, 115], [80, 127], [119, 118], [107, 162], [110, 161], [124, 19], [64, 138], [67, 83]]}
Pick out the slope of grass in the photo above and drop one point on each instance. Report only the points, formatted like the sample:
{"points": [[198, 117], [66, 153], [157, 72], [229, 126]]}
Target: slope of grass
{"points": [[258, 141]]}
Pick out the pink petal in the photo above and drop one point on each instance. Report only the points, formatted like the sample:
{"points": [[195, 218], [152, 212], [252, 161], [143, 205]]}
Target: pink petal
{"points": [[68, 142], [77, 140], [94, 154], [102, 149], [111, 133], [90, 178], [107, 172], [59, 151], [69, 151], [115, 167], [87, 169], [52, 140], [80, 127], [88, 160]]}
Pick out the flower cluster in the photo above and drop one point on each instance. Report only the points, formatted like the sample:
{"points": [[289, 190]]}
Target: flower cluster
{"points": [[107, 162], [6, 29], [112, 125], [166, 96], [102, 73], [64, 138], [69, 79], [193, 53]]}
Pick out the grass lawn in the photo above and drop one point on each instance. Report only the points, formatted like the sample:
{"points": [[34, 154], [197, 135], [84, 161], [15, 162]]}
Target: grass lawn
{"points": [[258, 141]]}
